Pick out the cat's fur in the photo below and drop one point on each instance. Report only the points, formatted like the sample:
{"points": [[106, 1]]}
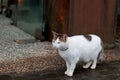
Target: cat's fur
{"points": [[86, 48]]}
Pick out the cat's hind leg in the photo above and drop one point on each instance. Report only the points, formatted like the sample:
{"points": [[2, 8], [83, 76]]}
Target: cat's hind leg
{"points": [[87, 65], [94, 64]]}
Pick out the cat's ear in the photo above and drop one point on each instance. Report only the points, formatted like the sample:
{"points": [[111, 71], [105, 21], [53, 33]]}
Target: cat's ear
{"points": [[54, 33], [65, 37]]}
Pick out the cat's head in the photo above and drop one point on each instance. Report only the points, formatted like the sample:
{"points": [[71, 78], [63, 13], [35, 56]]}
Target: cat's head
{"points": [[59, 41]]}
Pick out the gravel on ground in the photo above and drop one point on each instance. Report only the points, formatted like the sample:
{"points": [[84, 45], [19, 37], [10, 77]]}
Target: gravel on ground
{"points": [[10, 50]]}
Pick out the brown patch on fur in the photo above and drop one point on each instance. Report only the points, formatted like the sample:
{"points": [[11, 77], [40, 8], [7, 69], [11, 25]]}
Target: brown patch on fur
{"points": [[54, 36], [62, 37], [89, 38]]}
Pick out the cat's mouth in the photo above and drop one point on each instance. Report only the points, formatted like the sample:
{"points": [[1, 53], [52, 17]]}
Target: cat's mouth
{"points": [[54, 47]]}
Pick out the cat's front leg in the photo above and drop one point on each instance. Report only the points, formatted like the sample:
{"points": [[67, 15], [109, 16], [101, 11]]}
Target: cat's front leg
{"points": [[68, 67], [71, 68]]}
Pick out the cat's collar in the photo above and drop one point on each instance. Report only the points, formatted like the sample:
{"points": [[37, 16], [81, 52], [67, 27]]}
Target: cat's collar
{"points": [[63, 49]]}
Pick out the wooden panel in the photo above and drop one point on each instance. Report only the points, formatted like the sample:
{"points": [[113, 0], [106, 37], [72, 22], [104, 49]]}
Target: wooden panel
{"points": [[83, 17], [93, 16]]}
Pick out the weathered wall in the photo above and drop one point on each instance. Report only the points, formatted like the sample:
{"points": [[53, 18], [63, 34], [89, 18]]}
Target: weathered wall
{"points": [[56, 16], [83, 17], [93, 16]]}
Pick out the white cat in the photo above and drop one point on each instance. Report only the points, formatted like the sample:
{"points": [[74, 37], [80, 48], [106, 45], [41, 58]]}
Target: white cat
{"points": [[86, 48]]}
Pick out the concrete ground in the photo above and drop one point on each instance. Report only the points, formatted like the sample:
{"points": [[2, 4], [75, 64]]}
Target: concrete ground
{"points": [[32, 57]]}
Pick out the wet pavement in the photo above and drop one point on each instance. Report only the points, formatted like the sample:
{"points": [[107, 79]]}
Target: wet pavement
{"points": [[104, 71]]}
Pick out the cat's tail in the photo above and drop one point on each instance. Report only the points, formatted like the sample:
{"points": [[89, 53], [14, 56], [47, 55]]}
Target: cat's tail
{"points": [[102, 56]]}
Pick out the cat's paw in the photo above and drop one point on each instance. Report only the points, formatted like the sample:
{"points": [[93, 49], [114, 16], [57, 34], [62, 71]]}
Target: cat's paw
{"points": [[85, 67], [69, 74], [66, 72], [93, 67]]}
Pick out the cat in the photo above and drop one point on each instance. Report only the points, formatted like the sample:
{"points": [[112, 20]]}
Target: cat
{"points": [[86, 48]]}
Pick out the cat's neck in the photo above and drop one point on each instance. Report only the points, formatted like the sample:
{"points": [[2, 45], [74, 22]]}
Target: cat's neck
{"points": [[64, 49]]}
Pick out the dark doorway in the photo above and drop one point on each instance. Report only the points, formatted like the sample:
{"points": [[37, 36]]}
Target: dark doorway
{"points": [[118, 22]]}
